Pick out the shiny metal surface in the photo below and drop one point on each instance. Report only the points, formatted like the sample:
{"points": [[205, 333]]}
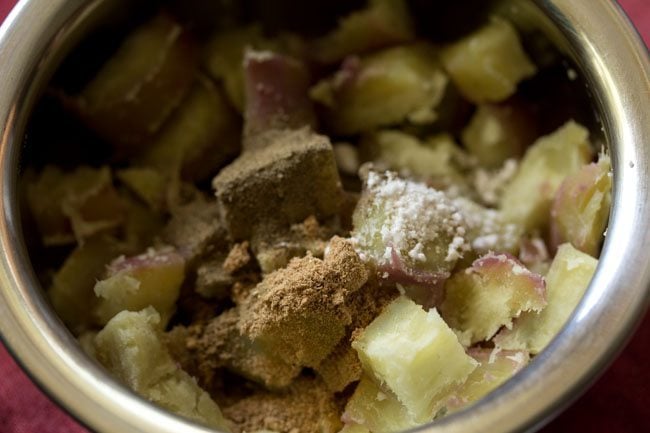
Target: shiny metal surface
{"points": [[616, 65]]}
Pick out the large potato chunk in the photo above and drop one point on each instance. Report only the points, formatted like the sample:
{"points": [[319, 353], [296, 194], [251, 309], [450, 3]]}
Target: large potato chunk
{"points": [[130, 347], [199, 138], [566, 282], [376, 410], [151, 279], [490, 294], [414, 354], [495, 367], [139, 87], [581, 207], [382, 89], [527, 200], [488, 65]]}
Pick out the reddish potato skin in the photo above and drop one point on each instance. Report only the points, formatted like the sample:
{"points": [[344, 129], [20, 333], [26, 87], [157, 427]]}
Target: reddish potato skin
{"points": [[130, 114], [276, 88]]}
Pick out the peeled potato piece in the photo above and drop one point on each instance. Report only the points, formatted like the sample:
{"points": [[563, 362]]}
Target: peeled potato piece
{"points": [[150, 279], [528, 198], [131, 348], [581, 207], [382, 89], [488, 64], [566, 282], [140, 86]]}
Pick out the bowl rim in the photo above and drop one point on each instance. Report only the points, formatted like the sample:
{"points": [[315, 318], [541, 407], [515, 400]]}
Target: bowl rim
{"points": [[616, 66]]}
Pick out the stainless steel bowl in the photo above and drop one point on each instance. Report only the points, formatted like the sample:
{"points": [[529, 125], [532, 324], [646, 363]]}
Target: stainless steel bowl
{"points": [[615, 64]]}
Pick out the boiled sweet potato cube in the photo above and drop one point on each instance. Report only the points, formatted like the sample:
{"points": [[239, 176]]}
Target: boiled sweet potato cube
{"points": [[488, 64], [527, 199], [382, 89], [566, 282], [414, 354], [75, 205], [376, 410], [201, 136], [130, 346], [581, 208], [383, 23], [140, 86], [496, 289], [150, 279]]}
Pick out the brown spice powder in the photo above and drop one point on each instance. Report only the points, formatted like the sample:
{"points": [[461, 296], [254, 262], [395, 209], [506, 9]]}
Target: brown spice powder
{"points": [[306, 407]]}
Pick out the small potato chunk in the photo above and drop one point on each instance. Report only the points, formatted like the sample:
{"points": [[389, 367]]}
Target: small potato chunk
{"points": [[277, 88], [69, 207], [140, 86], [151, 279], [383, 23], [527, 200], [200, 137], [581, 208], [354, 428], [414, 354], [566, 282], [490, 294], [409, 156], [488, 64], [495, 367], [413, 233], [71, 292], [376, 410], [498, 132], [130, 346], [389, 87]]}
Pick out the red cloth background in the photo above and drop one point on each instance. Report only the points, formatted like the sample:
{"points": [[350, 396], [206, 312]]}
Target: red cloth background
{"points": [[615, 404]]}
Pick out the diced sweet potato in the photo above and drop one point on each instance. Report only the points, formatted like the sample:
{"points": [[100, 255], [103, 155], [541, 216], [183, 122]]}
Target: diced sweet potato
{"points": [[414, 234], [151, 279], [148, 184], [411, 157], [490, 294], [488, 64], [566, 282], [414, 354], [277, 88], [389, 87], [581, 208], [278, 185], [71, 292], [527, 200], [130, 347], [376, 410], [495, 367], [383, 23], [200, 137], [74, 206], [140, 86], [498, 132]]}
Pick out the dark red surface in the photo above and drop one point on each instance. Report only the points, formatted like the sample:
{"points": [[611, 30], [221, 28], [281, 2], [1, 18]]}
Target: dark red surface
{"points": [[617, 403]]}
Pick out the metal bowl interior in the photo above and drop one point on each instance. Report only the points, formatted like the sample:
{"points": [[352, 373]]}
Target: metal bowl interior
{"points": [[611, 57]]}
